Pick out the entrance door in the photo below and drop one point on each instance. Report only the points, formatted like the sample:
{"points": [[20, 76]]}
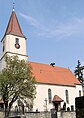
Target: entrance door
{"points": [[56, 106]]}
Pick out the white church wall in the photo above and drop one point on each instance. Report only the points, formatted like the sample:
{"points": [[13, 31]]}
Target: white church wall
{"points": [[11, 50], [21, 57], [2, 64], [42, 94], [10, 44], [79, 88]]}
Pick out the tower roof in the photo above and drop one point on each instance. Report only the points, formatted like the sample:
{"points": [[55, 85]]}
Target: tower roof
{"points": [[13, 26]]}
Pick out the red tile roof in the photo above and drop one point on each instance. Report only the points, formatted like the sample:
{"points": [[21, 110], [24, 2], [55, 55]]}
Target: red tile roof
{"points": [[13, 26], [57, 99], [53, 75]]}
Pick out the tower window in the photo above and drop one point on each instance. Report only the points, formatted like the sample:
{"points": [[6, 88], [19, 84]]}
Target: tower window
{"points": [[49, 95], [3, 46], [67, 96], [17, 41]]}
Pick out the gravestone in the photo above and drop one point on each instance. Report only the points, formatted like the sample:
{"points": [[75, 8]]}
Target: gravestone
{"points": [[79, 103]]}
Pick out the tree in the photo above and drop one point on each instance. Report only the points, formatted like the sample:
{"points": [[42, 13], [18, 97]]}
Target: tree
{"points": [[16, 82], [79, 72]]}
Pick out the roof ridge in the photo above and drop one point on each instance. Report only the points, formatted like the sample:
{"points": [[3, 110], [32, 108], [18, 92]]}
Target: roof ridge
{"points": [[49, 65]]}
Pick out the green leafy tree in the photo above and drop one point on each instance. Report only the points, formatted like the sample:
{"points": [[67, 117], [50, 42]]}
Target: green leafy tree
{"points": [[16, 82]]}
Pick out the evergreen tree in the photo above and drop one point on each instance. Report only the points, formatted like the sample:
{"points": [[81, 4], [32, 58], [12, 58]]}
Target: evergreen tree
{"points": [[79, 73]]}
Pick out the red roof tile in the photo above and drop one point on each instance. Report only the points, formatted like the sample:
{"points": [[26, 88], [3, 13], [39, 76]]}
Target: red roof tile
{"points": [[53, 75], [13, 26]]}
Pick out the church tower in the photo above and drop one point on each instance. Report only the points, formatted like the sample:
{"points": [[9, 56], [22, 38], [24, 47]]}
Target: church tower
{"points": [[13, 42]]}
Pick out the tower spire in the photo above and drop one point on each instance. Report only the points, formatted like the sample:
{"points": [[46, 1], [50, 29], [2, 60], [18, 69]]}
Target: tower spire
{"points": [[13, 6], [13, 26]]}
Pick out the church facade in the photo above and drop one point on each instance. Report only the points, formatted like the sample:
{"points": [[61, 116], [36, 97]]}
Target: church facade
{"points": [[55, 86]]}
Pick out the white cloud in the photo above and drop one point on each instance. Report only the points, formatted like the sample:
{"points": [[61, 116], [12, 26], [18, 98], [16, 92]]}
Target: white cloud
{"points": [[74, 26], [79, 20], [32, 21]]}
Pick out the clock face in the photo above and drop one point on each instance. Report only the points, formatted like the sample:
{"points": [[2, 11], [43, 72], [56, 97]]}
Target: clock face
{"points": [[17, 45]]}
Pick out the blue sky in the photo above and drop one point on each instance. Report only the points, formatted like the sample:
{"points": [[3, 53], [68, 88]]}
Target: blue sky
{"points": [[54, 29]]}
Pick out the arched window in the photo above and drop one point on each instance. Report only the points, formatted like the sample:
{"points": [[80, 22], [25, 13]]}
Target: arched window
{"points": [[79, 93], [49, 95], [17, 41], [67, 96], [3, 45], [17, 45]]}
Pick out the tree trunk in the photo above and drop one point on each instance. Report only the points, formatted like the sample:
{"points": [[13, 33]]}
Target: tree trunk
{"points": [[5, 110], [8, 110]]}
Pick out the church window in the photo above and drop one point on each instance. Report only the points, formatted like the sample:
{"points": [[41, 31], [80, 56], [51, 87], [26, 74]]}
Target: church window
{"points": [[67, 96], [49, 95], [3, 46], [79, 93]]}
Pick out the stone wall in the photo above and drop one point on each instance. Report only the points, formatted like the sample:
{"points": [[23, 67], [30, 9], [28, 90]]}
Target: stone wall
{"points": [[47, 115], [38, 115], [1, 115], [32, 115], [66, 114]]}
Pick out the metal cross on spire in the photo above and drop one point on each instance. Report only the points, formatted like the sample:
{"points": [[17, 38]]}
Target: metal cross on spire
{"points": [[13, 5]]}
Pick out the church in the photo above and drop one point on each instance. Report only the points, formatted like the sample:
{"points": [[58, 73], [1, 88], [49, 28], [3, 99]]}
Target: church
{"points": [[55, 86]]}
